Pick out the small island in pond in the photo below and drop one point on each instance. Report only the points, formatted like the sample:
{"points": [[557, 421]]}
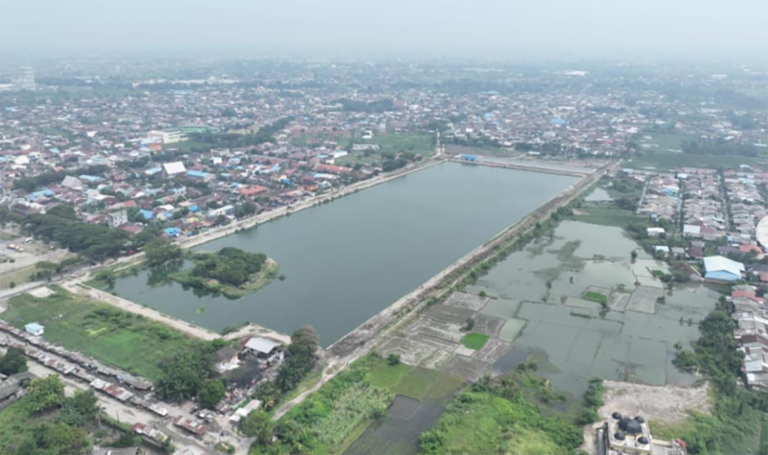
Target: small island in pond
{"points": [[230, 271]]}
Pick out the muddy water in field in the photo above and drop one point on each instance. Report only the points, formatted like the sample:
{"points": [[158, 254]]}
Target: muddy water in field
{"points": [[541, 293]]}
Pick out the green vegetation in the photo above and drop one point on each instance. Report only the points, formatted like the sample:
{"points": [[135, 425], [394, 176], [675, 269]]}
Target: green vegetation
{"points": [[606, 216], [665, 161], [30, 184], [94, 241], [423, 383], [160, 250], [17, 423], [45, 393], [183, 374], [327, 416], [301, 359], [258, 424], [109, 335], [593, 399], [233, 140], [596, 297], [719, 147], [409, 145], [494, 416], [332, 418], [224, 447], [474, 340], [14, 361], [361, 106], [44, 421], [45, 270], [231, 272], [24, 432], [736, 412], [211, 392]]}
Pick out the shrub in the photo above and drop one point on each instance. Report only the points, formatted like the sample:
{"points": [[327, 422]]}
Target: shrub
{"points": [[393, 359]]}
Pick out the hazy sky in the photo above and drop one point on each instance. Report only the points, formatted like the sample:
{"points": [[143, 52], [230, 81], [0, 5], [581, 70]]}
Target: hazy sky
{"points": [[504, 29]]}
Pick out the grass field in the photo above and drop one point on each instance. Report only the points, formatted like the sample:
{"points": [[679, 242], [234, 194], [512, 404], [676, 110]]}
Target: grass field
{"points": [[343, 409], [474, 341], [114, 337], [500, 419], [607, 216], [596, 297], [18, 276], [17, 422]]}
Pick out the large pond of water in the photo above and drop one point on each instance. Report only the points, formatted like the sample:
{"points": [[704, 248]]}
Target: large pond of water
{"points": [[347, 260], [540, 292]]}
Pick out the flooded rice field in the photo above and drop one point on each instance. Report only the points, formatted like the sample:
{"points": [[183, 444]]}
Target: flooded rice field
{"points": [[547, 292]]}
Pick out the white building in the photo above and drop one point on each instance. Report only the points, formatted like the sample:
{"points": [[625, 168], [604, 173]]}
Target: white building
{"points": [[34, 329], [175, 168], [266, 351], [168, 136], [72, 182]]}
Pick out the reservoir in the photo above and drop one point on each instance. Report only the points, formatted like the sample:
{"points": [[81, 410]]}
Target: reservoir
{"points": [[349, 259]]}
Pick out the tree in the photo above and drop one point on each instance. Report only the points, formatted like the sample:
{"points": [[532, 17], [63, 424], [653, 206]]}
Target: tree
{"points": [[393, 359], [126, 439], [301, 358], [633, 255], [182, 374], [211, 393], [258, 425], [81, 408], [61, 438], [221, 220], [45, 393], [161, 250], [14, 361], [12, 284]]}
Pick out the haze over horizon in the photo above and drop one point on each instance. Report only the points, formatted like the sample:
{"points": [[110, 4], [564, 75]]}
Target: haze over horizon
{"points": [[482, 29]]}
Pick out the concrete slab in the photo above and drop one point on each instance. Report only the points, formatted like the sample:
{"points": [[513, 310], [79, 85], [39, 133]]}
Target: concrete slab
{"points": [[488, 325], [501, 308], [411, 352], [618, 301], [436, 329], [511, 329], [434, 342], [463, 350], [650, 281], [643, 300], [576, 302], [449, 314], [468, 368], [438, 360], [469, 301], [493, 350], [41, 293]]}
